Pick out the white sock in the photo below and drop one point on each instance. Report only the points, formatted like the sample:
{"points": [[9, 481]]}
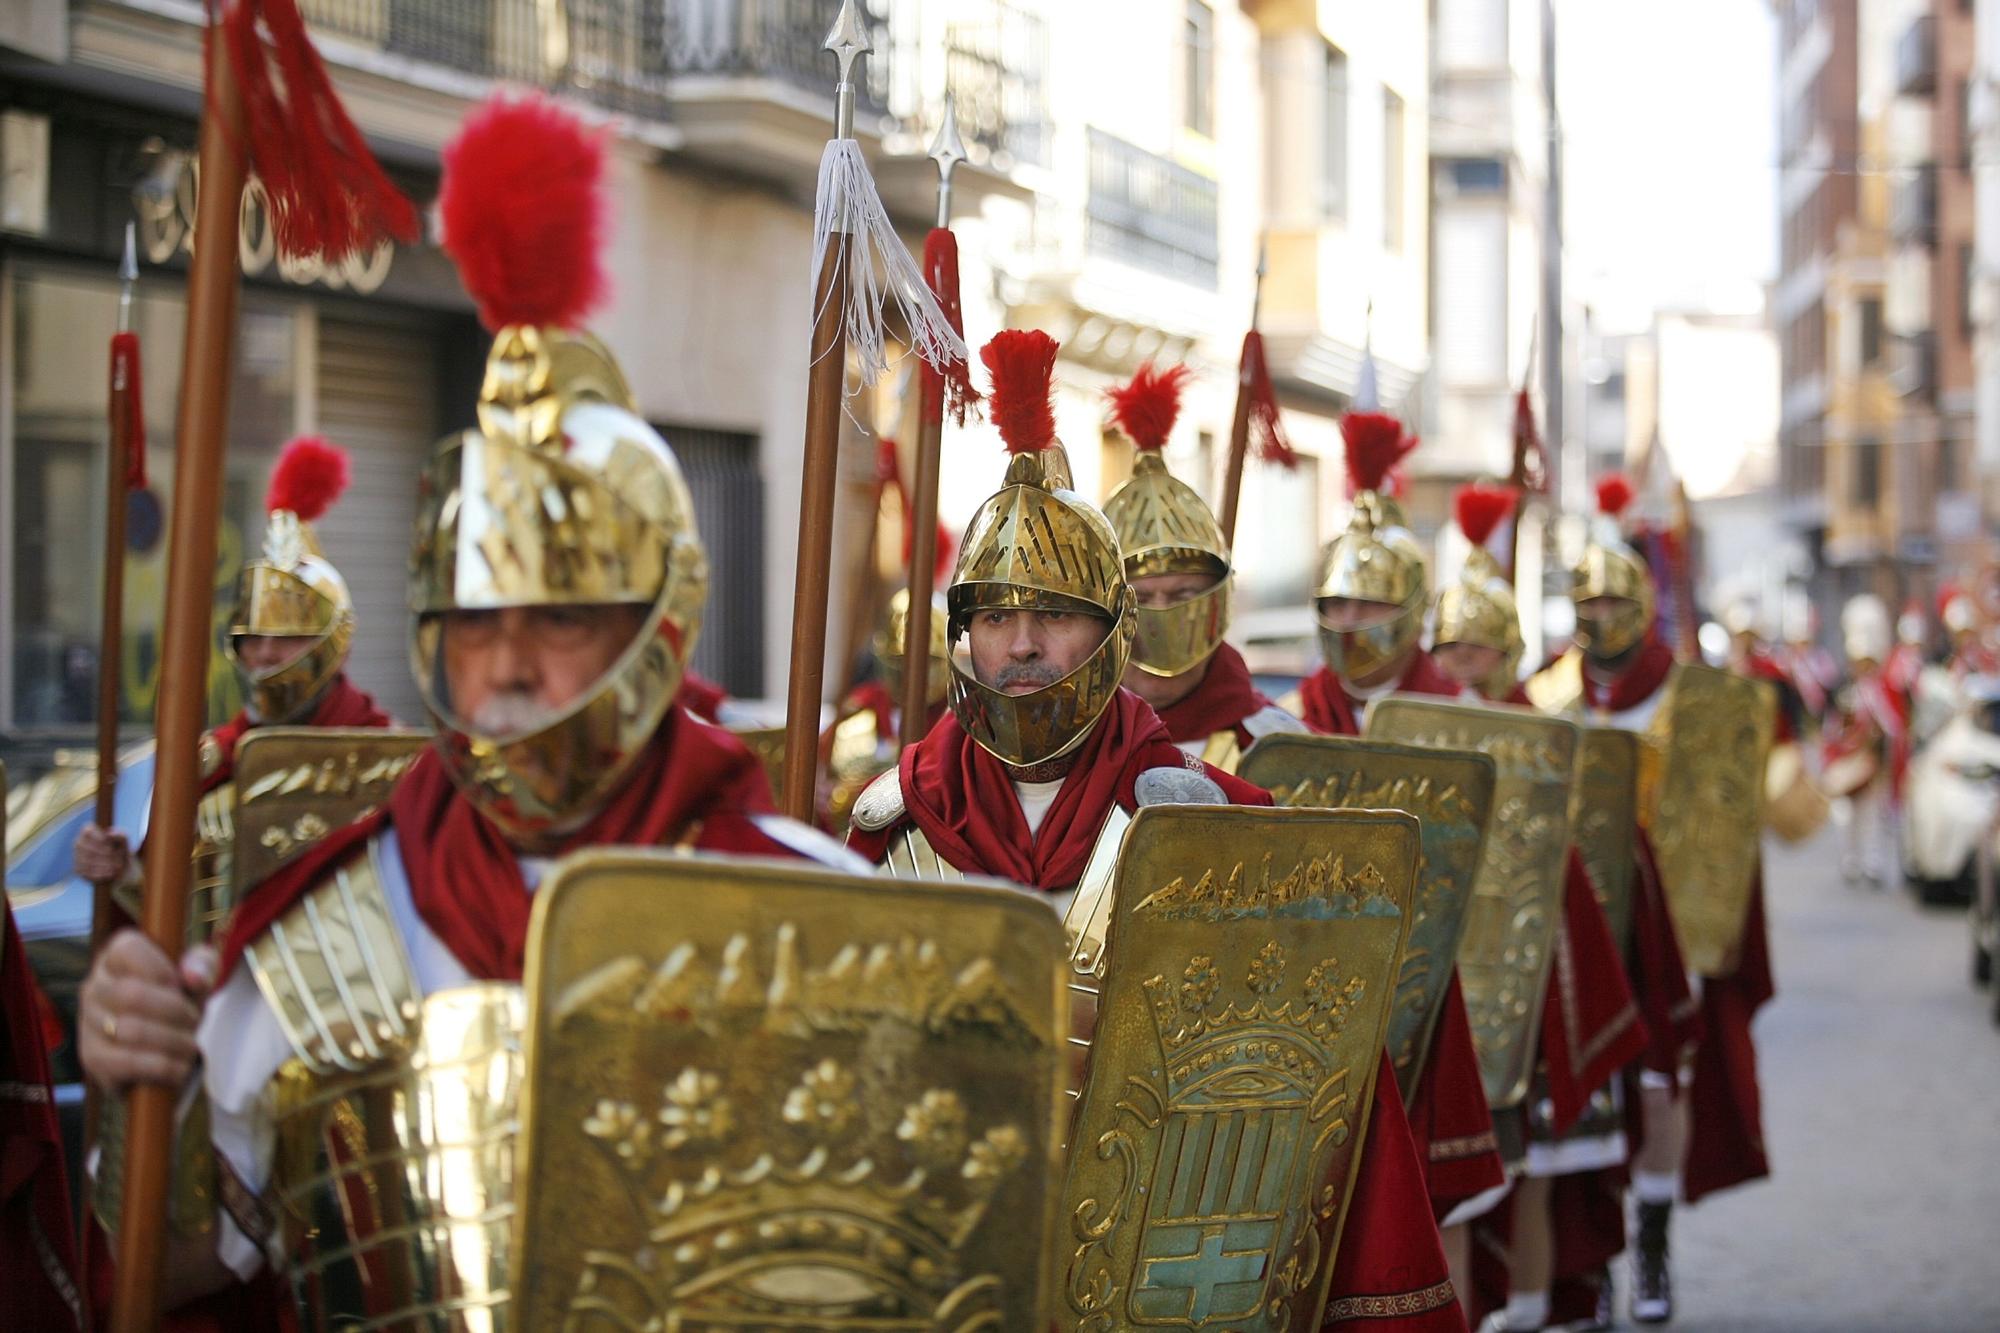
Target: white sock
{"points": [[1656, 1186], [1527, 1309]]}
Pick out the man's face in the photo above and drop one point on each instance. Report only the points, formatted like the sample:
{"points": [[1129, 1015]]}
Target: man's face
{"points": [[508, 671], [1468, 663], [261, 654], [1346, 614], [1019, 652], [1159, 592]]}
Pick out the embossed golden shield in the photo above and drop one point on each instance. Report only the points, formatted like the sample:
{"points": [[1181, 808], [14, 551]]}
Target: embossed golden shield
{"points": [[295, 785], [764, 1095], [1508, 944], [1714, 729], [1604, 813], [1252, 959], [1452, 795]]}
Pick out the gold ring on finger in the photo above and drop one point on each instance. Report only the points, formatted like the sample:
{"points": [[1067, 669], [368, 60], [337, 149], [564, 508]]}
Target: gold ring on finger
{"points": [[110, 1026]]}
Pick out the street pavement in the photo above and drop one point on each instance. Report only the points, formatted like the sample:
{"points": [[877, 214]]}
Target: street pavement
{"points": [[1881, 1077]]}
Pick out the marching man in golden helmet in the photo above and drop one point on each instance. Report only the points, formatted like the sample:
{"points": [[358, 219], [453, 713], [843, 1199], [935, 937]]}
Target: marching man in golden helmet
{"points": [[288, 641], [1702, 1127], [1477, 642], [1179, 567], [1042, 749], [556, 589]]}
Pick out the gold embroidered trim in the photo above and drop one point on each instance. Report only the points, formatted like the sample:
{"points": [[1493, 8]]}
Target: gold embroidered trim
{"points": [[1472, 1145], [1402, 1304], [1613, 1030], [252, 1212]]}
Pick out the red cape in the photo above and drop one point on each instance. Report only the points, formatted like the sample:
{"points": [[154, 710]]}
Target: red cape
{"points": [[1225, 697], [1590, 1021], [1646, 672], [1390, 1274], [1725, 1107], [701, 696], [961, 797], [38, 1269], [1659, 976], [1330, 710], [696, 785]]}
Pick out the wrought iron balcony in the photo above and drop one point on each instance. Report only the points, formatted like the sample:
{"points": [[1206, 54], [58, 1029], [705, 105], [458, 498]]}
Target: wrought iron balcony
{"points": [[1151, 212]]}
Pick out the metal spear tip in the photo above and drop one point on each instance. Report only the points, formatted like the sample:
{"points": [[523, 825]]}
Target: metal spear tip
{"points": [[128, 267], [848, 37], [948, 149]]}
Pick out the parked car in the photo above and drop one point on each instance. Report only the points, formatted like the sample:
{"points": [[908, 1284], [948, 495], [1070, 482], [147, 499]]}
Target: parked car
{"points": [[52, 907]]}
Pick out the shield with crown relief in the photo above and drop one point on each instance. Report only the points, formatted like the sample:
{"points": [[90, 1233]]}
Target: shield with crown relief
{"points": [[1250, 965], [762, 1095]]}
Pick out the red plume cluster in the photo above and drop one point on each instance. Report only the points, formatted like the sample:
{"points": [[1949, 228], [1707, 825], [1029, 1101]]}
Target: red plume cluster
{"points": [[1022, 364], [310, 475], [1614, 493], [329, 198], [522, 211], [1480, 508], [1147, 408], [1375, 444]]}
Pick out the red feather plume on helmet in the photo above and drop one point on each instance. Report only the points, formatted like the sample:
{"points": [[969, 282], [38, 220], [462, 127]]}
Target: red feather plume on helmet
{"points": [[1614, 494], [523, 213], [1147, 408], [1375, 444], [1022, 365], [309, 476], [1479, 509]]}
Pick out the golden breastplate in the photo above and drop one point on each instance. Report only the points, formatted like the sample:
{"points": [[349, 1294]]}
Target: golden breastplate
{"points": [[396, 1119]]}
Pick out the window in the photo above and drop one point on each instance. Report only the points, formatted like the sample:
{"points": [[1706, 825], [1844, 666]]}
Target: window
{"points": [[1964, 127], [1471, 34], [1865, 479], [1965, 270], [1871, 330], [1947, 464], [1333, 136], [1197, 81], [1392, 171], [1478, 175]]}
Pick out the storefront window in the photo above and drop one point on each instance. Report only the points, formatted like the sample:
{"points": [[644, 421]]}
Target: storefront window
{"points": [[63, 320]]}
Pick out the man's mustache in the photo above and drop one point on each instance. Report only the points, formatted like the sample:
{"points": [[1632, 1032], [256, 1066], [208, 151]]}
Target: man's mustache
{"points": [[1025, 673], [509, 713]]}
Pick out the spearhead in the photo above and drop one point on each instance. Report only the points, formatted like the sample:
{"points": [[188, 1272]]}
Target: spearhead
{"points": [[848, 40], [128, 274], [947, 150], [1263, 266]]}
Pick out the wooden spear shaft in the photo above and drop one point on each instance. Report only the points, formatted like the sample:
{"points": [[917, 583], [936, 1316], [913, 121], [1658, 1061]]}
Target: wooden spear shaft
{"points": [[1239, 425], [199, 439], [824, 387]]}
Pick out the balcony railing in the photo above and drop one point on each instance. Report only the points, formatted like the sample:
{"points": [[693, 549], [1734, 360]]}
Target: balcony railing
{"points": [[1916, 57], [619, 53], [1913, 207], [996, 55], [1150, 212]]}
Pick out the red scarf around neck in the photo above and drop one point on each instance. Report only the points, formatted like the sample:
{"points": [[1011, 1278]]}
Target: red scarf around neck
{"points": [[962, 797], [341, 706], [1328, 709], [1225, 696], [1646, 672], [464, 877]]}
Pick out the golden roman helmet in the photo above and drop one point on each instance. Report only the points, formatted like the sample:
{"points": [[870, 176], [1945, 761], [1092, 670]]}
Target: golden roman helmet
{"points": [[292, 591], [1036, 545], [1165, 527], [562, 496], [1611, 569], [1479, 608], [892, 640], [1375, 559]]}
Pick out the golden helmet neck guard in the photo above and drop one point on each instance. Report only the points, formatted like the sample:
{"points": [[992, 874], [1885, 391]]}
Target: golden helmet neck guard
{"points": [[1036, 545], [1377, 559], [892, 647], [563, 496], [293, 591]]}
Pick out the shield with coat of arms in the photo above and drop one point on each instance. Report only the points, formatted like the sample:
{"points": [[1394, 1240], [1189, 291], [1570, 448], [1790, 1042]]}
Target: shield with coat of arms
{"points": [[1251, 963]]}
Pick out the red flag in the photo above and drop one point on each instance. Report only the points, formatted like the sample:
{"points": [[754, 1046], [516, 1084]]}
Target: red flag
{"points": [[961, 399], [1267, 428]]}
